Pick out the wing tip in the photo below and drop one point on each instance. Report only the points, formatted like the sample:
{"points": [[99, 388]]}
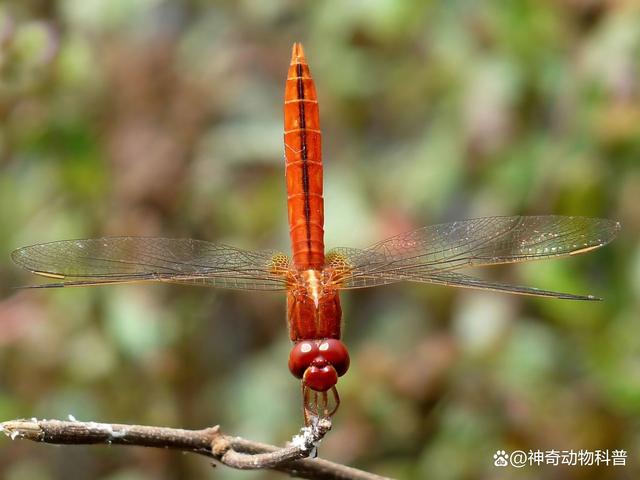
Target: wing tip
{"points": [[15, 255], [617, 226], [613, 227], [588, 298]]}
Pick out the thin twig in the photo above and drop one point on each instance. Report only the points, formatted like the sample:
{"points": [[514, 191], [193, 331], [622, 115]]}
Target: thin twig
{"points": [[235, 452]]}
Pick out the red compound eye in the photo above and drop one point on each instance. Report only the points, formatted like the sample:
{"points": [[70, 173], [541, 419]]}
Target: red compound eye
{"points": [[336, 354], [301, 356]]}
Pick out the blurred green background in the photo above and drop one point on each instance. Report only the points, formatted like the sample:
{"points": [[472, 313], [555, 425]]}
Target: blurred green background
{"points": [[164, 118]]}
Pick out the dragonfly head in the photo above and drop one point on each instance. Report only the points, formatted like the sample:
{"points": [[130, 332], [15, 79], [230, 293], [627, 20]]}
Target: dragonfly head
{"points": [[319, 363]]}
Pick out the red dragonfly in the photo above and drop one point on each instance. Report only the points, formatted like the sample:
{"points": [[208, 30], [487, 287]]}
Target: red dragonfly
{"points": [[312, 278]]}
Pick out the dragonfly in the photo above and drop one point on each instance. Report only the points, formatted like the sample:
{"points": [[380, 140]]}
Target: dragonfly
{"points": [[312, 277]]}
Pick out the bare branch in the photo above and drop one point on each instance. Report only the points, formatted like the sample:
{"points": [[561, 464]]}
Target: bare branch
{"points": [[235, 452]]}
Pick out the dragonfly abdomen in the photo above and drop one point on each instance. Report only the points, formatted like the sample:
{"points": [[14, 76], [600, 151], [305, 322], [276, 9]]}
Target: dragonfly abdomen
{"points": [[303, 157]]}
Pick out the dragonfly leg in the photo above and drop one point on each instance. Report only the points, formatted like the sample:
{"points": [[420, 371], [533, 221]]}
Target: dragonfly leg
{"points": [[305, 405], [325, 404], [318, 405], [330, 406], [309, 405]]}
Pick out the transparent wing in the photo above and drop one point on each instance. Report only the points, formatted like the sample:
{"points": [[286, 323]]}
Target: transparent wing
{"points": [[459, 280], [431, 254], [113, 260]]}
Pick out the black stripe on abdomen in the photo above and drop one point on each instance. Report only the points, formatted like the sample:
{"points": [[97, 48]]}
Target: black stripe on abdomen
{"points": [[303, 155]]}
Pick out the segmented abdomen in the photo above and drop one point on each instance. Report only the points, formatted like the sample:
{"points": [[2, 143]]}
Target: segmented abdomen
{"points": [[303, 158]]}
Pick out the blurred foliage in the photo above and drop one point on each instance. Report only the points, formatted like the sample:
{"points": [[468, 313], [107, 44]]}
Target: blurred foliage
{"points": [[156, 117]]}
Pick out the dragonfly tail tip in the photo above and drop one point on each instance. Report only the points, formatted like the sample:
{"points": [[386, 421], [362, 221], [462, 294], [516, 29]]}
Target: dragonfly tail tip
{"points": [[297, 53]]}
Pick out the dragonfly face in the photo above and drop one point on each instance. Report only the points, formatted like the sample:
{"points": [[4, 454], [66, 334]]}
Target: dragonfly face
{"points": [[312, 279], [319, 363]]}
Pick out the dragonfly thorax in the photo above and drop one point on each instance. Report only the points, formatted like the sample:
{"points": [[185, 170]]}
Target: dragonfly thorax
{"points": [[319, 363], [313, 284], [313, 306]]}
